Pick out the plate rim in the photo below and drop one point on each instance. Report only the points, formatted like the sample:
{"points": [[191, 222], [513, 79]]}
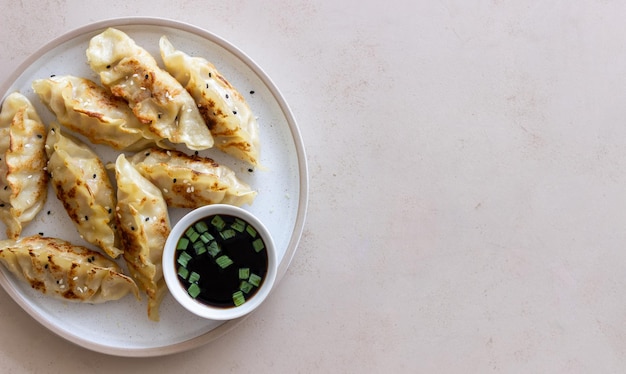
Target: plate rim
{"points": [[301, 161]]}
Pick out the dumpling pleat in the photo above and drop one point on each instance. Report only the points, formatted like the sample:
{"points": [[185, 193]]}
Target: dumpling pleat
{"points": [[23, 175]]}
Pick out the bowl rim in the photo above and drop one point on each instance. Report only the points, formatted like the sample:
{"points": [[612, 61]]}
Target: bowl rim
{"points": [[180, 294]]}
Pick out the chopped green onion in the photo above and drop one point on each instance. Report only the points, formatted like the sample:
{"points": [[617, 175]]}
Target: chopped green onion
{"points": [[190, 231], [192, 234], [182, 244], [244, 273], [224, 261], [238, 298], [201, 227], [194, 290], [258, 245], [194, 277], [245, 286], [183, 272], [206, 237], [218, 222], [255, 280], [184, 258], [199, 248], [251, 231], [228, 234], [213, 249], [238, 225]]}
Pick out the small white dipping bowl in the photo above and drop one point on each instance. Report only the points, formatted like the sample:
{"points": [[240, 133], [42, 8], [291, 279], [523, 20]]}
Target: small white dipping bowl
{"points": [[170, 266]]}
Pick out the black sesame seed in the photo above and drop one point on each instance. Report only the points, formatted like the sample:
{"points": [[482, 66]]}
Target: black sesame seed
{"points": [[110, 210], [209, 75], [45, 266], [159, 115], [94, 176], [147, 219], [234, 112], [227, 96], [108, 66], [2, 205], [195, 153], [207, 85], [147, 76], [250, 170], [49, 212], [174, 180], [147, 154], [252, 92], [132, 228], [86, 218], [52, 75], [5, 187], [39, 136], [41, 234]]}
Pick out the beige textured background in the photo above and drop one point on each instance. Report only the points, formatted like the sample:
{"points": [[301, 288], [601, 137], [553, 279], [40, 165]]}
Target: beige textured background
{"points": [[467, 206]]}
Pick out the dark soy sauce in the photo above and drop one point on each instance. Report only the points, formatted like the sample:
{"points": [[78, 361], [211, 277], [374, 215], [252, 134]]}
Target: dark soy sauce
{"points": [[218, 284]]}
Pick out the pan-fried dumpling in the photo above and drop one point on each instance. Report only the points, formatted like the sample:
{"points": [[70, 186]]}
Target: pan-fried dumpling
{"points": [[191, 181], [83, 186], [23, 175], [65, 271], [225, 111], [156, 98], [144, 224], [83, 106]]}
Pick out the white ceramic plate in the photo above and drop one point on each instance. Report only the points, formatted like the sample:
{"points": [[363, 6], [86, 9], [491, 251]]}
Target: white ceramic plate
{"points": [[122, 327]]}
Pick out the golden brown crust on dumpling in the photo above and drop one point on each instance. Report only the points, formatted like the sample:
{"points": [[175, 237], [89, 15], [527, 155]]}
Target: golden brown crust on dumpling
{"points": [[83, 106], [155, 97], [144, 224], [225, 111], [65, 271], [191, 181], [83, 186]]}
